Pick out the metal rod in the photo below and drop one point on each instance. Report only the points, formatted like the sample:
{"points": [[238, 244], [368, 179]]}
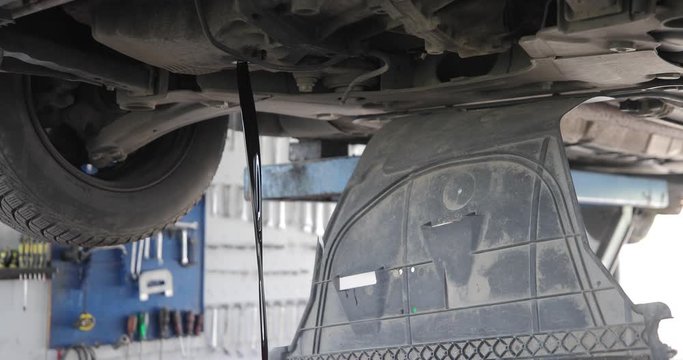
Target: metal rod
{"points": [[160, 247], [253, 151], [138, 266], [24, 277], [214, 329], [184, 256], [147, 247], [619, 236], [133, 259]]}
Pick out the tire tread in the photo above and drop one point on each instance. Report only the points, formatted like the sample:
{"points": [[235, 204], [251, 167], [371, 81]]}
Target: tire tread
{"points": [[20, 213]]}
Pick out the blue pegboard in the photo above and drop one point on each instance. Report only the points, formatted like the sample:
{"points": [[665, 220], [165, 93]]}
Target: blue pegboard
{"points": [[105, 288]]}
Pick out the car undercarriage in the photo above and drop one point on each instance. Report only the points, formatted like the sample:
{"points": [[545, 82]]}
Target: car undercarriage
{"points": [[364, 64], [462, 209]]}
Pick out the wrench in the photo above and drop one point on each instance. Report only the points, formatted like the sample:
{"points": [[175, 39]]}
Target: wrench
{"points": [[160, 246], [184, 228], [147, 247], [133, 259], [184, 257], [214, 328], [138, 265]]}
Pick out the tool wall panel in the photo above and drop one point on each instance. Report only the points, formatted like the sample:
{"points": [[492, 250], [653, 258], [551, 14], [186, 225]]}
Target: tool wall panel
{"points": [[105, 287]]}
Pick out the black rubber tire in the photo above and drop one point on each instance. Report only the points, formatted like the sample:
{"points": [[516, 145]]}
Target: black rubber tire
{"points": [[642, 222], [42, 198], [601, 221]]}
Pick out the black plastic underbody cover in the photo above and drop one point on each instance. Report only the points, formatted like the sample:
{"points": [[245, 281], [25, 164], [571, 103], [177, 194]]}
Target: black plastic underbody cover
{"points": [[468, 223]]}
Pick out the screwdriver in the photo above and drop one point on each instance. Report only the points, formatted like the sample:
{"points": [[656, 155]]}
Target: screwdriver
{"points": [[22, 250], [13, 259], [178, 327], [164, 328], [189, 321], [143, 323], [199, 325], [131, 325]]}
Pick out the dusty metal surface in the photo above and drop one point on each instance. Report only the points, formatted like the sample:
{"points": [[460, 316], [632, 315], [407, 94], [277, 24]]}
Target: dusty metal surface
{"points": [[602, 136], [111, 70], [366, 62]]}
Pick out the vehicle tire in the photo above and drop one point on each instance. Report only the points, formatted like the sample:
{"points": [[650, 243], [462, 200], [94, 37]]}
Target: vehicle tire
{"points": [[601, 221], [44, 194], [642, 222]]}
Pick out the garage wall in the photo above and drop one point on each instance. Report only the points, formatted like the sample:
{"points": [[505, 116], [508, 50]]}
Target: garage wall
{"points": [[22, 332], [291, 232]]}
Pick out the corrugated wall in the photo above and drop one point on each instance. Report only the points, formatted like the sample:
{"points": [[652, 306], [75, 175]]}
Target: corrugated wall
{"points": [[291, 232]]}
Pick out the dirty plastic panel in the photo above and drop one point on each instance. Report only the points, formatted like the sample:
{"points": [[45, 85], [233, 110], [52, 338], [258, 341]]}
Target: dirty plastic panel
{"points": [[470, 223]]}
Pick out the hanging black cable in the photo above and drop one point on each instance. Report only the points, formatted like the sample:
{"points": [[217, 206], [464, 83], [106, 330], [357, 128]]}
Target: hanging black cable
{"points": [[251, 142]]}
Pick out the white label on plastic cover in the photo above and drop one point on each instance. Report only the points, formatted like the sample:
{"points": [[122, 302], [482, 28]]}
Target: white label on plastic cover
{"points": [[357, 280]]}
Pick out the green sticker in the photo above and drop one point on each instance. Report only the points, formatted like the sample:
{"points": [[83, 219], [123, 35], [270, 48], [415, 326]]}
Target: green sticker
{"points": [[413, 309]]}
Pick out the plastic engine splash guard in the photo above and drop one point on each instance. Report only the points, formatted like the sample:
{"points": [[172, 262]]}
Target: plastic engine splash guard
{"points": [[459, 237]]}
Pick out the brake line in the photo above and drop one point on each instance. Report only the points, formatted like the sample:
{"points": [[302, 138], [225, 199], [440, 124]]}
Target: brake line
{"points": [[367, 76], [251, 142]]}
